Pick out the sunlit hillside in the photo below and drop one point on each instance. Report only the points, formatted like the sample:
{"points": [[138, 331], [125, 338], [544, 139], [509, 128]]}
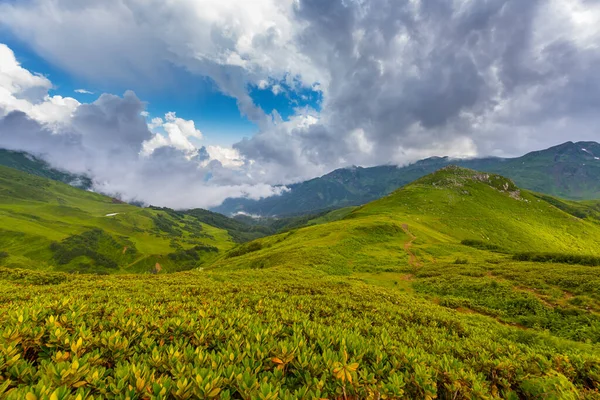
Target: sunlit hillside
{"points": [[49, 225]]}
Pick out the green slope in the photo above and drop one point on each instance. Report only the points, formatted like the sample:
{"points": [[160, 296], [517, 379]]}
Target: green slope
{"points": [[46, 224], [453, 222], [415, 295], [570, 170]]}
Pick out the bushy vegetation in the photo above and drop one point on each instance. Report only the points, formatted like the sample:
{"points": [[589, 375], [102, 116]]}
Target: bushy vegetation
{"points": [[481, 245], [199, 335], [164, 224], [93, 249], [190, 258], [562, 258], [245, 249], [406, 297]]}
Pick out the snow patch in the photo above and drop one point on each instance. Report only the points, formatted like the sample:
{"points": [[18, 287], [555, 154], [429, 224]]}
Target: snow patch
{"points": [[111, 214]]}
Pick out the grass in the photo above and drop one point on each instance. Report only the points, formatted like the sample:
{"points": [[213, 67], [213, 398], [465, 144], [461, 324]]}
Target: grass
{"points": [[416, 295], [39, 218]]}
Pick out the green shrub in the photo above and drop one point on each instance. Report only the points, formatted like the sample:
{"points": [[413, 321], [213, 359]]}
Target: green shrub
{"points": [[268, 335], [193, 254], [561, 258], [245, 249], [481, 245], [95, 245]]}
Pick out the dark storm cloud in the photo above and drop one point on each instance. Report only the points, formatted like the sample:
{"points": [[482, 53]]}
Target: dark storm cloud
{"points": [[416, 75]]}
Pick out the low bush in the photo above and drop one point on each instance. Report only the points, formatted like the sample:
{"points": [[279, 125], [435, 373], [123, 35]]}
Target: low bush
{"points": [[245, 249], [562, 258], [481, 245], [193, 254], [272, 336]]}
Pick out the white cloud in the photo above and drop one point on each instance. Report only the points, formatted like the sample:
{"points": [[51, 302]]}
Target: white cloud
{"points": [[228, 157], [178, 130], [276, 89], [83, 91], [111, 141], [21, 90]]}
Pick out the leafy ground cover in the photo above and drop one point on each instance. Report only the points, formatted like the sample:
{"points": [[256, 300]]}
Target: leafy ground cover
{"points": [[230, 335]]}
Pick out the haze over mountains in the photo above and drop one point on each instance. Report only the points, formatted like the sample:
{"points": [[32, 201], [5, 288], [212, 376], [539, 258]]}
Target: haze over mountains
{"points": [[570, 170]]}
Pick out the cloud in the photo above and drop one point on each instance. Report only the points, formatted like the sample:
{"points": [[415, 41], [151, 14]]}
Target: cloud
{"points": [[179, 133], [400, 80], [83, 91], [111, 141], [20, 90], [408, 80]]}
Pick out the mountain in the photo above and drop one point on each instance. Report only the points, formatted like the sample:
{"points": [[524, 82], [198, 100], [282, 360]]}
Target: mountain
{"points": [[570, 170], [33, 165], [49, 225], [459, 285], [464, 239]]}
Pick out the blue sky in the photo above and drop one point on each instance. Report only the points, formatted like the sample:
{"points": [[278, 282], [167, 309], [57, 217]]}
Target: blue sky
{"points": [[192, 97]]}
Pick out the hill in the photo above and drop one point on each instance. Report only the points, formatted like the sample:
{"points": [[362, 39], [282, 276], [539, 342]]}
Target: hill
{"points": [[570, 170], [456, 225], [459, 285], [45, 224], [33, 165]]}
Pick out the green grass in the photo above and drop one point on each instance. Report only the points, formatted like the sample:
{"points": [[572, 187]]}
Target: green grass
{"points": [[416, 295], [39, 217]]}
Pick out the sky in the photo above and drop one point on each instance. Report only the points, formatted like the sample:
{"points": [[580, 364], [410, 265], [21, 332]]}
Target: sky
{"points": [[187, 102]]}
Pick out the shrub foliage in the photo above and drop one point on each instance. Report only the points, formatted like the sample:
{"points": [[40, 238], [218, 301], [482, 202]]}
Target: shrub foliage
{"points": [[195, 335]]}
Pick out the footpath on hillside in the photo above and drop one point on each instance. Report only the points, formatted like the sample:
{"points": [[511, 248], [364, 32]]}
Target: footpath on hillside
{"points": [[413, 261]]}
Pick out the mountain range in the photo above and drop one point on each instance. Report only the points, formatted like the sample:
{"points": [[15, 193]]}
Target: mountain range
{"points": [[570, 170]]}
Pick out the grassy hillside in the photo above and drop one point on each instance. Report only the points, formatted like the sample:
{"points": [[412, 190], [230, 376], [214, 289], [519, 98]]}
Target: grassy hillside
{"points": [[50, 225], [570, 170], [421, 294], [455, 226]]}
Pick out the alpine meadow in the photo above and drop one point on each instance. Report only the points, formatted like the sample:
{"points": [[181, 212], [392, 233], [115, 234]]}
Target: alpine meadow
{"points": [[299, 200], [458, 285]]}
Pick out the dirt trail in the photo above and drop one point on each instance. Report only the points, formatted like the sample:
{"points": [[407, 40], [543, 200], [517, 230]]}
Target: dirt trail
{"points": [[413, 261]]}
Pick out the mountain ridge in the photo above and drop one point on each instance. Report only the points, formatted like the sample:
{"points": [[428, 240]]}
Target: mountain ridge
{"points": [[570, 170]]}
